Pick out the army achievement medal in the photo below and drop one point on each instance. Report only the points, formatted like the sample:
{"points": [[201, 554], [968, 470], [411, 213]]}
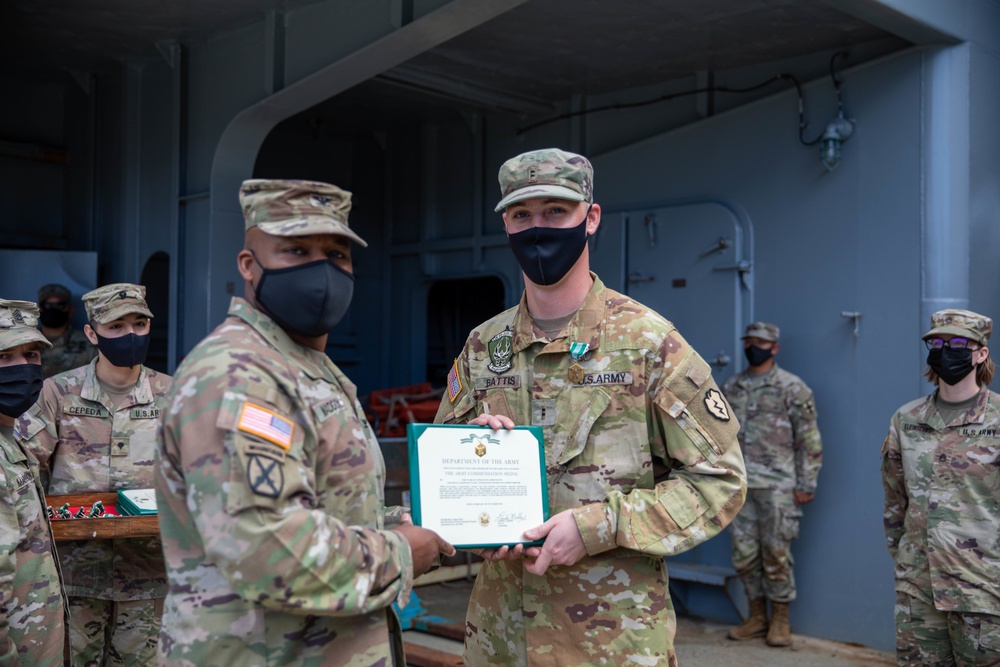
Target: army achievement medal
{"points": [[575, 374], [500, 348]]}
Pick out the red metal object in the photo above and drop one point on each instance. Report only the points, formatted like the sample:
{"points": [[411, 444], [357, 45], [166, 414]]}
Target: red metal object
{"points": [[392, 409]]}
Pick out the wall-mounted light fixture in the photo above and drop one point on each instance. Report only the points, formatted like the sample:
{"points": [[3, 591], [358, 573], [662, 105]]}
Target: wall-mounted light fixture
{"points": [[837, 130]]}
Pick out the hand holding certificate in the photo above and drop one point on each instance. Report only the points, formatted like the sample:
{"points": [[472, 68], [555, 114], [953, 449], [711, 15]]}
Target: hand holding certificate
{"points": [[477, 487]]}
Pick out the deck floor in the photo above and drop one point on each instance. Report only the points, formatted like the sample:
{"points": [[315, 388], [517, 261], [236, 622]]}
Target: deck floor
{"points": [[698, 642]]}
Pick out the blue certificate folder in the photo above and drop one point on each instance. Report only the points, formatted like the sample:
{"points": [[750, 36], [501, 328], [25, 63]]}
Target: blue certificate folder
{"points": [[481, 488]]}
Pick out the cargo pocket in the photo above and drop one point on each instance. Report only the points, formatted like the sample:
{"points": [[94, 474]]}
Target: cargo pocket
{"points": [[495, 403], [579, 432], [989, 634], [790, 523]]}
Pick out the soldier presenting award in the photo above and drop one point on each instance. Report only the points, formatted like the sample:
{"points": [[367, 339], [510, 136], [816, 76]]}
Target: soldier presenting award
{"points": [[269, 478], [640, 446]]}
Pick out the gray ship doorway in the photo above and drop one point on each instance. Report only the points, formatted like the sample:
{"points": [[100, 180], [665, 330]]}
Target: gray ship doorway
{"points": [[454, 307]]}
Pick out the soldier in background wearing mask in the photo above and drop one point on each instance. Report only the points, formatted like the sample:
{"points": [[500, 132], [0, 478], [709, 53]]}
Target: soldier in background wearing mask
{"points": [[33, 615], [783, 451], [640, 445], [94, 430], [942, 502], [270, 481], [70, 347]]}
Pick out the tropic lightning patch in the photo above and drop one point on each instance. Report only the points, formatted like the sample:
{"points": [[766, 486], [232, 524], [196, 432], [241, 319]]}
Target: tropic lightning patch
{"points": [[454, 382], [265, 476], [500, 348], [716, 405]]}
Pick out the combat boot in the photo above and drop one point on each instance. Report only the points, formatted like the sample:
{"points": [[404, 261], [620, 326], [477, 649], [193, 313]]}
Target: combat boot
{"points": [[780, 632], [755, 625]]}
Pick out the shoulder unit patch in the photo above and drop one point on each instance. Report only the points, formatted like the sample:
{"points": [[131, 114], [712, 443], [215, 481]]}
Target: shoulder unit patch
{"points": [[717, 405]]}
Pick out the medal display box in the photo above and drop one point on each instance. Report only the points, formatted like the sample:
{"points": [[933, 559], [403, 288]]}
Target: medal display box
{"points": [[103, 528]]}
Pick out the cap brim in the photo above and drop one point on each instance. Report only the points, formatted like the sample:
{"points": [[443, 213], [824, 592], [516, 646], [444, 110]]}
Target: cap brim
{"points": [[762, 336], [122, 311], [307, 226], [22, 336], [557, 191], [955, 331]]}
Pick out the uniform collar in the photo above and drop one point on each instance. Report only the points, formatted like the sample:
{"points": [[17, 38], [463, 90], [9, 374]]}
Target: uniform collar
{"points": [[309, 361], [141, 393], [928, 414], [770, 377], [586, 326]]}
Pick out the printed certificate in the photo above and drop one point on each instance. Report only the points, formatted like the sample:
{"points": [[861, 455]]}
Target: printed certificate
{"points": [[477, 487]]}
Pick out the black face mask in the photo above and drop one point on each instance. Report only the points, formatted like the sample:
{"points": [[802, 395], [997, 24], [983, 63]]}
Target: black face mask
{"points": [[125, 351], [19, 388], [53, 319], [757, 355], [309, 299], [546, 254], [950, 365]]}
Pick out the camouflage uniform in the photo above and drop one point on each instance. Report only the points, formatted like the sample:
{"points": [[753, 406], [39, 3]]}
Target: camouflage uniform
{"points": [[33, 610], [86, 445], [942, 524], [270, 489], [70, 350], [783, 453], [641, 446]]}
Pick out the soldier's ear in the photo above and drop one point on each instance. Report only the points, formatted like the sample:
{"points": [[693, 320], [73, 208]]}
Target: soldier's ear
{"points": [[89, 332], [244, 263], [593, 219]]}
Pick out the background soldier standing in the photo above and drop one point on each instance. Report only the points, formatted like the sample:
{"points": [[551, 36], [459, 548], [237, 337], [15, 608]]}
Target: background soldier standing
{"points": [[783, 454], [270, 480], [640, 445], [942, 502], [33, 616], [94, 430], [70, 347]]}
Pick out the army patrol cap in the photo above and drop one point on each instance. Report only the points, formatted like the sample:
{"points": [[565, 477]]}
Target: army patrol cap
{"points": [[549, 172], [108, 303], [297, 208], [19, 325], [51, 290], [763, 330], [964, 323]]}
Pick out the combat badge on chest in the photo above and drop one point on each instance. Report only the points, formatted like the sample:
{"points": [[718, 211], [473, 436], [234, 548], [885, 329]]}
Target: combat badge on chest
{"points": [[500, 349]]}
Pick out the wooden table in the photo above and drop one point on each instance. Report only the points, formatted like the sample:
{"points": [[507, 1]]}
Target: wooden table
{"points": [[64, 530]]}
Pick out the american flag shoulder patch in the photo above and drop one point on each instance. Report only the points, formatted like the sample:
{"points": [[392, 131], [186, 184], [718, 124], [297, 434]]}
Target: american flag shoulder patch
{"points": [[454, 383], [266, 424]]}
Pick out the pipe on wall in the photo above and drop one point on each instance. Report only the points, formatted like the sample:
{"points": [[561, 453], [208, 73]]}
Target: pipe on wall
{"points": [[945, 180]]}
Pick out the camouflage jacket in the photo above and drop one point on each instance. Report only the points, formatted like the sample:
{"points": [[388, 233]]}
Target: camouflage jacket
{"points": [[83, 444], [942, 505], [639, 444], [781, 444], [33, 611], [70, 350], [270, 492]]}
